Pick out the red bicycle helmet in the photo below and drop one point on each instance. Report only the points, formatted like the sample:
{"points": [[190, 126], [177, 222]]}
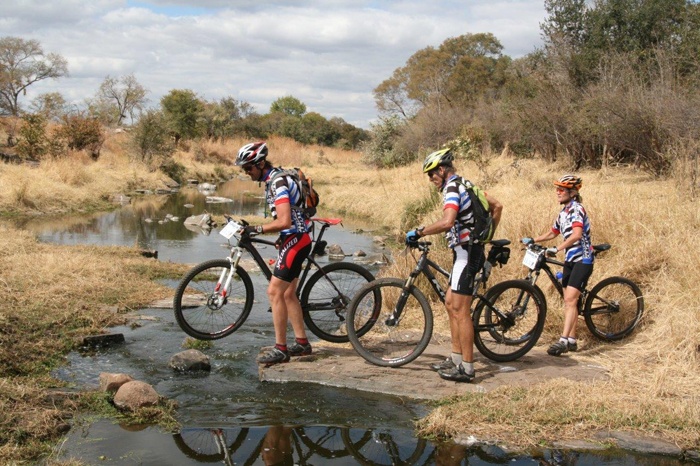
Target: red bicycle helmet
{"points": [[251, 153]]}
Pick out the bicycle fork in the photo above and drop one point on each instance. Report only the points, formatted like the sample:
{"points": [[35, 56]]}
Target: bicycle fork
{"points": [[220, 294], [395, 316]]}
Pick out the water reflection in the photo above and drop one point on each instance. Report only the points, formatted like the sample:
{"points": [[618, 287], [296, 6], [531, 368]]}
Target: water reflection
{"points": [[284, 444]]}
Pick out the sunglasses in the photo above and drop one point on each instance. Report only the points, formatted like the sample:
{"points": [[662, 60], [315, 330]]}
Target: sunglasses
{"points": [[432, 173], [562, 190], [248, 168]]}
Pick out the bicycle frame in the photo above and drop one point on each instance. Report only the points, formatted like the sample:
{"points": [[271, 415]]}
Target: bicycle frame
{"points": [[246, 243], [543, 263], [425, 266]]}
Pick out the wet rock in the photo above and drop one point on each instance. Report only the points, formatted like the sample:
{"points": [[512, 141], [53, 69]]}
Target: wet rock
{"points": [[149, 253], [190, 360], [640, 443], [110, 382], [203, 221], [103, 340], [335, 252], [578, 445], [206, 187], [135, 394], [360, 253], [217, 200], [379, 240]]}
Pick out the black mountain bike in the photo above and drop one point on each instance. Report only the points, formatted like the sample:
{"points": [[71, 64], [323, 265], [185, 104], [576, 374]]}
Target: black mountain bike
{"points": [[611, 309], [508, 318], [215, 297]]}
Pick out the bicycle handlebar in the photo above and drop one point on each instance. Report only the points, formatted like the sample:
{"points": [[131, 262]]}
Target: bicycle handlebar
{"points": [[536, 247]]}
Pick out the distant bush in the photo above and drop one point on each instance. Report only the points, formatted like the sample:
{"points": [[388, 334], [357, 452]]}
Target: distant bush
{"points": [[82, 133], [150, 138], [33, 143], [383, 150]]}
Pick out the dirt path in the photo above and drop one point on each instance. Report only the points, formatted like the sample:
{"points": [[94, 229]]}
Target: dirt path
{"points": [[340, 366]]}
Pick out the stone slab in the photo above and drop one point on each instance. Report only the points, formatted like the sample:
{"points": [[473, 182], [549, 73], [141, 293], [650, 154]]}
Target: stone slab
{"points": [[341, 366]]}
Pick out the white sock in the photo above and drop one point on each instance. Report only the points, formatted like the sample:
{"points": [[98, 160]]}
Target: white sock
{"points": [[572, 340], [456, 358], [468, 367]]}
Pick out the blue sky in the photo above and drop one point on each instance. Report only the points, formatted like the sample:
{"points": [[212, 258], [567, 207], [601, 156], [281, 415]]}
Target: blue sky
{"points": [[330, 54]]}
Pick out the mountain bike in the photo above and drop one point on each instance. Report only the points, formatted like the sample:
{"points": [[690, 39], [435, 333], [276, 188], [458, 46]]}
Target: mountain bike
{"points": [[508, 318], [215, 297], [612, 308]]}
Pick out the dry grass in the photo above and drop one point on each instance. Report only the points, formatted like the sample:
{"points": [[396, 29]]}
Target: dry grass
{"points": [[652, 225], [52, 296]]}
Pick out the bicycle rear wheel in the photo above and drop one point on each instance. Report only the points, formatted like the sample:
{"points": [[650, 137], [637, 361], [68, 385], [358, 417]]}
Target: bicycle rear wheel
{"points": [[202, 310], [509, 320], [325, 298], [613, 308], [384, 342]]}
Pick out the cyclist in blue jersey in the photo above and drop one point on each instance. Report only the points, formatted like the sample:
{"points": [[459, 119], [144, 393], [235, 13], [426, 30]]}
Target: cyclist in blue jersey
{"points": [[283, 195], [468, 258], [574, 225]]}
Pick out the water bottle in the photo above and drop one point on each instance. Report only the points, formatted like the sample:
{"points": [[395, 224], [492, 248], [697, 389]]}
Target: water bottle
{"points": [[559, 276]]}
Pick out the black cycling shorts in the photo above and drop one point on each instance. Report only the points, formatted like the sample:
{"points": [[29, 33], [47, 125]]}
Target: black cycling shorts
{"points": [[293, 250], [465, 267], [576, 274]]}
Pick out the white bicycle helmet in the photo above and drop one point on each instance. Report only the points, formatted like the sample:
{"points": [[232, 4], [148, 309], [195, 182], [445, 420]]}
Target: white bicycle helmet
{"points": [[251, 153]]}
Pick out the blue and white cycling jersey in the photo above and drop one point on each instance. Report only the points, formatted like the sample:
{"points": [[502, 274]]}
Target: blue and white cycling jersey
{"points": [[282, 190], [574, 215]]}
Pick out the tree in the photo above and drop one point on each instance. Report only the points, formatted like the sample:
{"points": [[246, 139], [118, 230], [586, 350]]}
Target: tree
{"points": [[23, 63], [125, 93], [51, 105], [182, 110], [289, 106], [457, 73]]}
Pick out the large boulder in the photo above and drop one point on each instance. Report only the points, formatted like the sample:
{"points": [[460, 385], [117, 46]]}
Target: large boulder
{"points": [[110, 382]]}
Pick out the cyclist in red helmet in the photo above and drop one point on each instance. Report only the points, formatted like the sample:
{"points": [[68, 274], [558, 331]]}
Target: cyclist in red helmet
{"points": [[574, 225], [282, 193]]}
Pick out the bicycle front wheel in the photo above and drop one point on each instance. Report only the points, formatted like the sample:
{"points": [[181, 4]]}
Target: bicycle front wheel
{"points": [[326, 296], [613, 308], [401, 329], [509, 320], [204, 309]]}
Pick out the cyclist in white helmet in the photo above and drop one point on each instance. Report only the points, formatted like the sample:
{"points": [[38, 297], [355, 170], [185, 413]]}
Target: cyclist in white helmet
{"points": [[281, 193], [468, 258]]}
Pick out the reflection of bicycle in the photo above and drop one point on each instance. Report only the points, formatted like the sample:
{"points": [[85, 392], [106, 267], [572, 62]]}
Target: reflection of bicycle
{"points": [[611, 309], [379, 447], [506, 326], [308, 445], [215, 297]]}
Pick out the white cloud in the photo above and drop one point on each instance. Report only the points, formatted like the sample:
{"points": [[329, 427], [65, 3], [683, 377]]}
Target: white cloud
{"points": [[328, 54]]}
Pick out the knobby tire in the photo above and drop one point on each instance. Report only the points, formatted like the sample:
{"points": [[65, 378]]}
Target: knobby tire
{"points": [[613, 308], [507, 338], [324, 310], [194, 309], [389, 345]]}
